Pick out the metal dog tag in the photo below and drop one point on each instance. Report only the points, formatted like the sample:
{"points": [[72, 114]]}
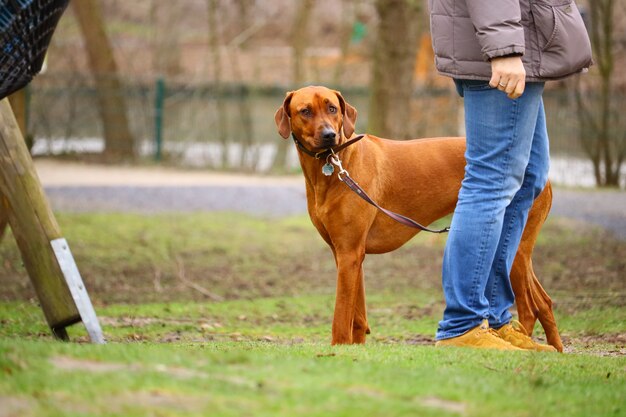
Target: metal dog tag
{"points": [[328, 169]]}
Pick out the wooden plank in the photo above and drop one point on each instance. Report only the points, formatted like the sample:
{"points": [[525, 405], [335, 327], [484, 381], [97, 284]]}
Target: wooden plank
{"points": [[33, 224]]}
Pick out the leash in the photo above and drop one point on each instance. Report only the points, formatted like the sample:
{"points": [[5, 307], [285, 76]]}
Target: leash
{"points": [[331, 156], [347, 179]]}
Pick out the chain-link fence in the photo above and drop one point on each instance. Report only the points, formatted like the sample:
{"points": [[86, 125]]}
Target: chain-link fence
{"points": [[232, 127]]}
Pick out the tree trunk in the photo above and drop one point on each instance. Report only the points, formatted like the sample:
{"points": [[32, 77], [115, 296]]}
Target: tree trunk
{"points": [[345, 35], [393, 63], [599, 121], [166, 51], [246, 19], [216, 57], [246, 140], [300, 39], [119, 142]]}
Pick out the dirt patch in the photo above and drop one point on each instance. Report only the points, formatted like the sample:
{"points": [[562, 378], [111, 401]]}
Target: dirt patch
{"points": [[444, 405], [208, 332], [597, 345], [153, 402], [70, 364], [67, 363], [126, 321], [420, 339], [417, 340], [15, 407], [161, 400]]}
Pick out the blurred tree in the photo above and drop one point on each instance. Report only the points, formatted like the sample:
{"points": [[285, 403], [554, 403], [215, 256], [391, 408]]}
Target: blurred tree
{"points": [[166, 43], [119, 142], [393, 67], [300, 39], [246, 21], [602, 130], [245, 28], [214, 45], [346, 33]]}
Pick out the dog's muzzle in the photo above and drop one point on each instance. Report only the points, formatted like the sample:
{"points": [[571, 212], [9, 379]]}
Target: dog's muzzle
{"points": [[329, 137]]}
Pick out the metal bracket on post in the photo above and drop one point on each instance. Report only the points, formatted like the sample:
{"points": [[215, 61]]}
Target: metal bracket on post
{"points": [[77, 289]]}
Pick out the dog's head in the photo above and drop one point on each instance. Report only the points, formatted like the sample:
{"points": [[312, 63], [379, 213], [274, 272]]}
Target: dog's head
{"points": [[316, 115]]}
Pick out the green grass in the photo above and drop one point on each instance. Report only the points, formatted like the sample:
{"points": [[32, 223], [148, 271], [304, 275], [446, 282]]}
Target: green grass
{"points": [[232, 255], [310, 379], [264, 350]]}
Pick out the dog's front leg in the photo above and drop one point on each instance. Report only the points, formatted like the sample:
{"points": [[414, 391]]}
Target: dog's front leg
{"points": [[359, 326], [349, 274]]}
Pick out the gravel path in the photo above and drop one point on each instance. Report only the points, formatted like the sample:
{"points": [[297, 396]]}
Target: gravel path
{"points": [[76, 187], [605, 208], [266, 201]]}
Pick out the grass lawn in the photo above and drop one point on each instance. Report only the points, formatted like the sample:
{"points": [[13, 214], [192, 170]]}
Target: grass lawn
{"points": [[263, 350]]}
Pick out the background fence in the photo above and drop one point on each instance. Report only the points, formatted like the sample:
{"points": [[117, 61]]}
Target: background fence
{"points": [[232, 127]]}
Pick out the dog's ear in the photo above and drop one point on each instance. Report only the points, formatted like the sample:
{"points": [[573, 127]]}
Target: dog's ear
{"points": [[282, 117], [349, 115]]}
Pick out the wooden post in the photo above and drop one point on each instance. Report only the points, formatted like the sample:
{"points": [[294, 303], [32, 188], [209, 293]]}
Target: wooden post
{"points": [[33, 225], [4, 216], [18, 104]]}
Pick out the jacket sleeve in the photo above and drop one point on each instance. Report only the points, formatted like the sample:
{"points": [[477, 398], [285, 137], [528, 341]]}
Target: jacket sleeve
{"points": [[498, 27]]}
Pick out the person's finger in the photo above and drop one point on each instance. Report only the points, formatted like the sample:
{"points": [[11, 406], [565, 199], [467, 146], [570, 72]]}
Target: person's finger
{"points": [[521, 86], [510, 87], [495, 79], [518, 90]]}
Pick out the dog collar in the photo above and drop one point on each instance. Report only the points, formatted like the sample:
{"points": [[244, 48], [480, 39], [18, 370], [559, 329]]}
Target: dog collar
{"points": [[326, 152]]}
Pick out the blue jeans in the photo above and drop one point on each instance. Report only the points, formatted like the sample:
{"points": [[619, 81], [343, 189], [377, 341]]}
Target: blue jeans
{"points": [[507, 167]]}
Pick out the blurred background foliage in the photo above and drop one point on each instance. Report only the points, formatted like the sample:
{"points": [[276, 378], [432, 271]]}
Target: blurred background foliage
{"points": [[196, 83]]}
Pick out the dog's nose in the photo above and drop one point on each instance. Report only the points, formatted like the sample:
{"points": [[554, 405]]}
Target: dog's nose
{"points": [[329, 136]]}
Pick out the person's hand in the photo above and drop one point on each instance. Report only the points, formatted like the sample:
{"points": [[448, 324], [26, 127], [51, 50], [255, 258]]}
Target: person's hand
{"points": [[508, 75]]}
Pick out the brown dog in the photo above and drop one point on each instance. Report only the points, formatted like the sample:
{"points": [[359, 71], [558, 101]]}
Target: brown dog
{"points": [[418, 178]]}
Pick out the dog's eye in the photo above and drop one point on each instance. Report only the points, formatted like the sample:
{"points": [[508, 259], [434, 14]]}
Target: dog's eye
{"points": [[332, 109], [306, 112]]}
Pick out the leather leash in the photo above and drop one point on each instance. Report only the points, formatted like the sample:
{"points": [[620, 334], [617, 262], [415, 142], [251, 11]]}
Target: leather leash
{"points": [[347, 179], [331, 156]]}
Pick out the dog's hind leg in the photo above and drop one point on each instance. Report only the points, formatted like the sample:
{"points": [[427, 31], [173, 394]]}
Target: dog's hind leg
{"points": [[532, 301], [546, 315]]}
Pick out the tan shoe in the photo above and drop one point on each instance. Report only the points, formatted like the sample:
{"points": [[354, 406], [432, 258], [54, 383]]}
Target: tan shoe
{"points": [[515, 334], [480, 337]]}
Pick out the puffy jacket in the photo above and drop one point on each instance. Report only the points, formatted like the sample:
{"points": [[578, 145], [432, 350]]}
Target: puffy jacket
{"points": [[549, 34]]}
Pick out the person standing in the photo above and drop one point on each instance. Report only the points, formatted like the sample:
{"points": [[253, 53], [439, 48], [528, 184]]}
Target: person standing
{"points": [[499, 54]]}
